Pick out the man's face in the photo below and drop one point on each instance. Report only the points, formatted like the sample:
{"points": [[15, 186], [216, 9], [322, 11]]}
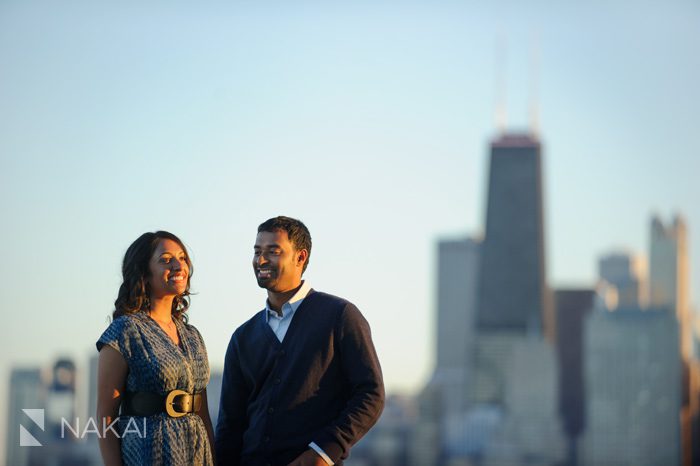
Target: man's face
{"points": [[276, 264]]}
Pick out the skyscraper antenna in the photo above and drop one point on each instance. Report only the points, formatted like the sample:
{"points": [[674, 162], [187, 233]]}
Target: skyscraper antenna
{"points": [[500, 83], [534, 81]]}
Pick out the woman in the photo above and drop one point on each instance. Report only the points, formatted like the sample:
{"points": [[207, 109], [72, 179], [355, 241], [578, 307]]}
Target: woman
{"points": [[153, 364]]}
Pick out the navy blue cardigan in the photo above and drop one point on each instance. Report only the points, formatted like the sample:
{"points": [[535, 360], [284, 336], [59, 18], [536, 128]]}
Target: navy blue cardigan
{"points": [[322, 384]]}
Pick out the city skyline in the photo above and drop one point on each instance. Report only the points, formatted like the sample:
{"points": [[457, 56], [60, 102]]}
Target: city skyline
{"points": [[519, 430], [371, 123]]}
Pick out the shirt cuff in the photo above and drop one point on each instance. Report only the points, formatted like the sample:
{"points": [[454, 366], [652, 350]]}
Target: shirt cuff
{"points": [[321, 453]]}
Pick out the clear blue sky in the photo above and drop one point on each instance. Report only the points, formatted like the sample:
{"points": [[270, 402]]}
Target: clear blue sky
{"points": [[368, 120]]}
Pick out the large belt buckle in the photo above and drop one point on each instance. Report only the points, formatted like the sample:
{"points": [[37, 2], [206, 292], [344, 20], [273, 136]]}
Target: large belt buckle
{"points": [[170, 402]]}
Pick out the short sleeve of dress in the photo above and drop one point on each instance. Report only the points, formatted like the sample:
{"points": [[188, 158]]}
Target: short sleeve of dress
{"points": [[200, 340], [199, 335], [119, 335]]}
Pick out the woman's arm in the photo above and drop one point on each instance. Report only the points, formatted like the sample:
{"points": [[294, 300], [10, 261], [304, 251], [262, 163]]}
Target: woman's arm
{"points": [[111, 380], [204, 414]]}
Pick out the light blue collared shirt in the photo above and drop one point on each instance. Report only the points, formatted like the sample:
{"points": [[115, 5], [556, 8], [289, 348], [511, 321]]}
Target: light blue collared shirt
{"points": [[280, 324]]}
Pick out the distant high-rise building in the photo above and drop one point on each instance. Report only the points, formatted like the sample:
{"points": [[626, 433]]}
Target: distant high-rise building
{"points": [[446, 396], [513, 298], [627, 273], [27, 391], [632, 380], [513, 294], [92, 440], [492, 399], [572, 307], [457, 271], [458, 268], [531, 431], [669, 289], [60, 401], [669, 274], [513, 358]]}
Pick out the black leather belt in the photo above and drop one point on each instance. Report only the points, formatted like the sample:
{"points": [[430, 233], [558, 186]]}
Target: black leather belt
{"points": [[176, 403]]}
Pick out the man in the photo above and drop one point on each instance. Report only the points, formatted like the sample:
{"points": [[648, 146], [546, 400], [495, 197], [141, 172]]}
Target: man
{"points": [[301, 382]]}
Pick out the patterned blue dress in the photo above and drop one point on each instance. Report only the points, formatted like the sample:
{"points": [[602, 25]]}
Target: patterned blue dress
{"points": [[158, 365]]}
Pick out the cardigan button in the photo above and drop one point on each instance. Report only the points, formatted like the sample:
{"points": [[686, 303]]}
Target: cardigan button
{"points": [[270, 410], [267, 438], [278, 381], [281, 353]]}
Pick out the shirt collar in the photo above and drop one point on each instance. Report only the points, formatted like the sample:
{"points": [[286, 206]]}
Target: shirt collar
{"points": [[292, 305]]}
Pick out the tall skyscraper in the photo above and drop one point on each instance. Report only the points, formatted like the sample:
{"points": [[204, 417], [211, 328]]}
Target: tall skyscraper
{"points": [[492, 399], [513, 294], [530, 432], [668, 284], [60, 401], [458, 268], [669, 289], [27, 391], [445, 397], [92, 440], [457, 271], [633, 387], [572, 306], [513, 359]]}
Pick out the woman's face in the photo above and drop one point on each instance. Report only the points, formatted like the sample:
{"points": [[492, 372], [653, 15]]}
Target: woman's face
{"points": [[169, 270]]}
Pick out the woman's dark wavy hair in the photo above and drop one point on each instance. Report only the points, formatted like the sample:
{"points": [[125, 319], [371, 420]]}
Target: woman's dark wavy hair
{"points": [[134, 291]]}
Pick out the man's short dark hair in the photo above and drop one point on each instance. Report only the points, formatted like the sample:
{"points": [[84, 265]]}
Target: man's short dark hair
{"points": [[297, 233]]}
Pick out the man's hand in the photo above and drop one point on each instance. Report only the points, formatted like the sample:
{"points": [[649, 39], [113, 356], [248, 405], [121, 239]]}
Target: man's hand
{"points": [[308, 458]]}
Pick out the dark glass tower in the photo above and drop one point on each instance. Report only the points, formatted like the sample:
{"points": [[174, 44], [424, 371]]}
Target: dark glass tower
{"points": [[513, 295]]}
